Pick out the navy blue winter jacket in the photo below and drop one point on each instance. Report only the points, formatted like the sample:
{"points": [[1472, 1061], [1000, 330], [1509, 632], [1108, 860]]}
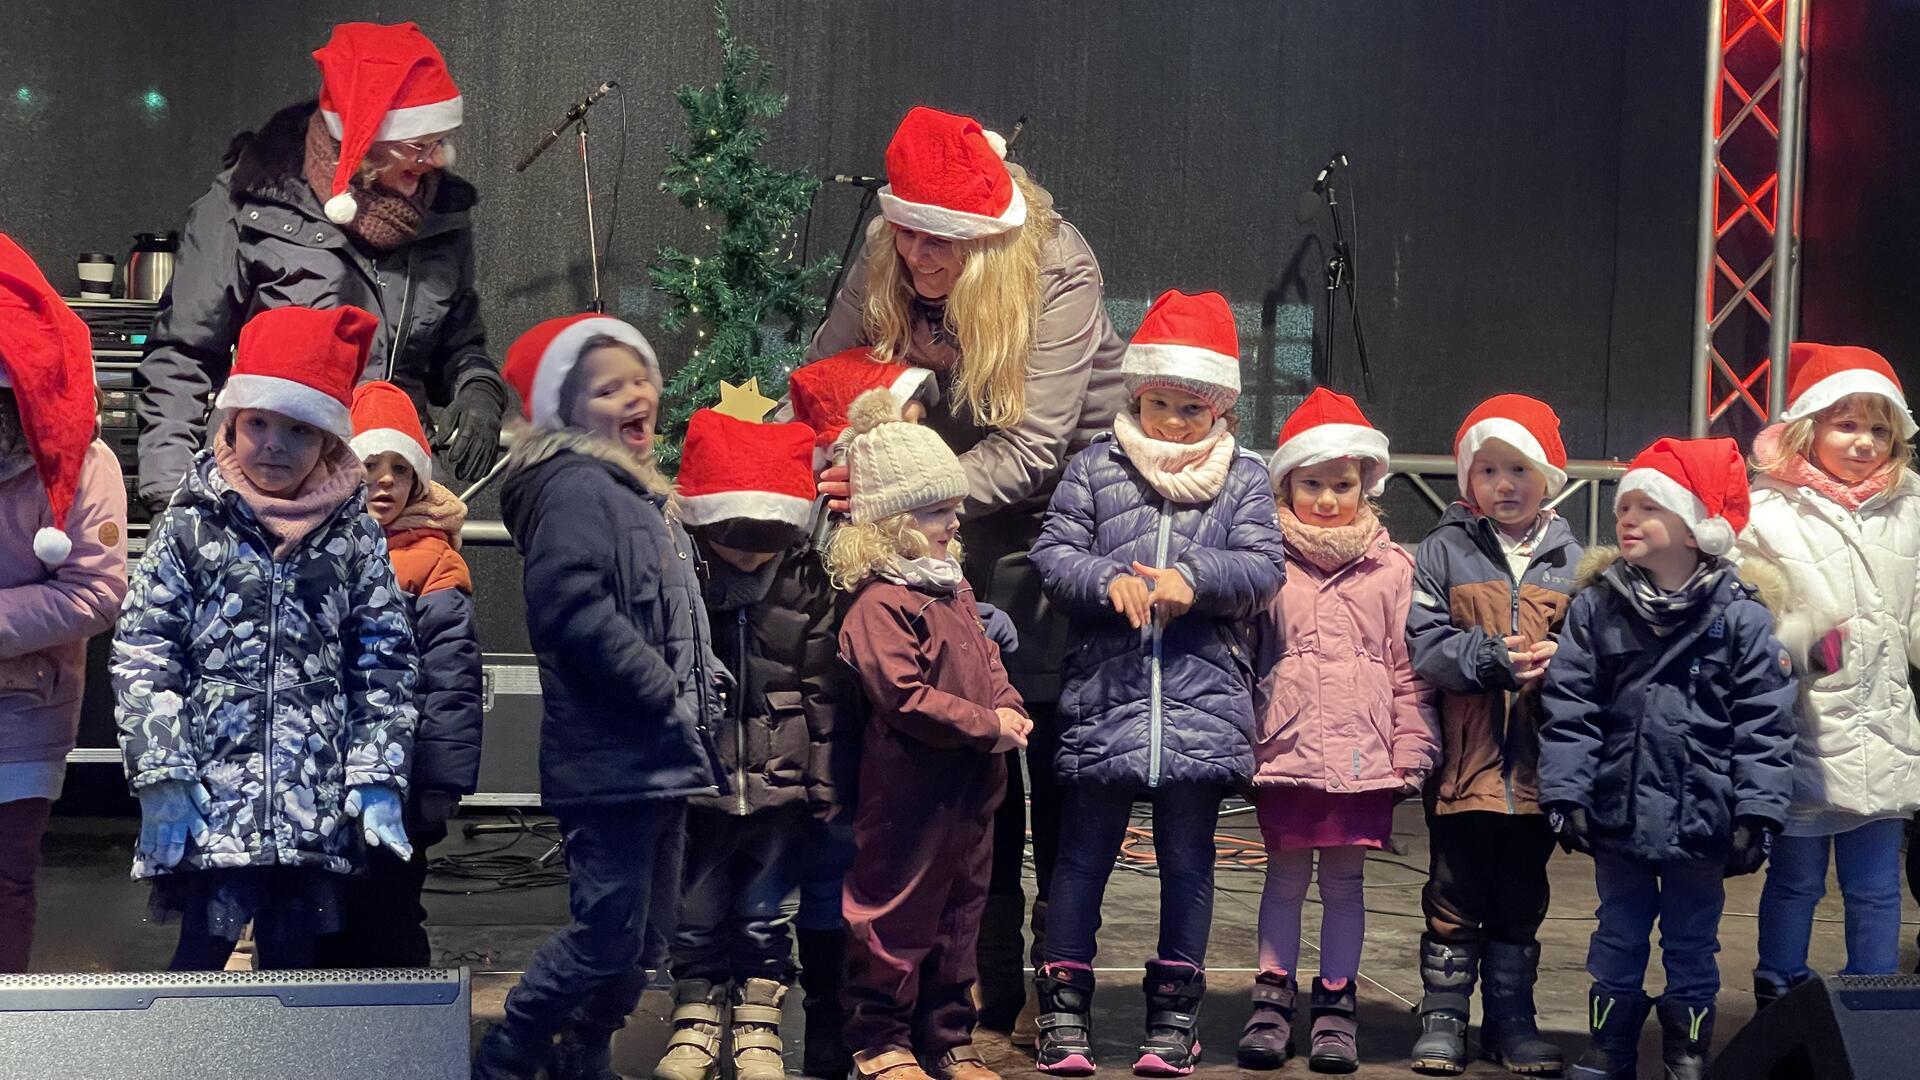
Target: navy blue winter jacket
{"points": [[629, 684], [1666, 740], [1195, 724]]}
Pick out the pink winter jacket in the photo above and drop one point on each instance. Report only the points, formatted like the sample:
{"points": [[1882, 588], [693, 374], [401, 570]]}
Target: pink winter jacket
{"points": [[46, 616], [1336, 703]]}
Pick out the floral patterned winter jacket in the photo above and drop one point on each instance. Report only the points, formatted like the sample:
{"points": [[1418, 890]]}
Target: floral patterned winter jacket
{"points": [[276, 685]]}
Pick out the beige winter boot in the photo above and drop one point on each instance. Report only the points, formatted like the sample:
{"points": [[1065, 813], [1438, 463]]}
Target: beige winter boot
{"points": [[891, 1064], [963, 1063], [693, 1050], [756, 1030]]}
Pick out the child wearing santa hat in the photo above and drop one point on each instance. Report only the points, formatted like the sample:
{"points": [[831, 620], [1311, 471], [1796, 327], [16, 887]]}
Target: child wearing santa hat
{"points": [[1667, 747], [63, 566], [1341, 734], [1491, 584], [940, 711], [264, 668], [1835, 508], [631, 691], [384, 922], [745, 492], [1159, 540]]}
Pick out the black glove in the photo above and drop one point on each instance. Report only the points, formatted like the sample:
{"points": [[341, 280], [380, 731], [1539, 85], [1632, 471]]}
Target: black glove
{"points": [[468, 434], [999, 627], [1752, 843], [1569, 824]]}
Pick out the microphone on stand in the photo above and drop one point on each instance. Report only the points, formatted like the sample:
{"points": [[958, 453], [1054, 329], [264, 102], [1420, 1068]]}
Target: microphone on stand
{"points": [[1309, 202], [871, 183], [1013, 134], [573, 115]]}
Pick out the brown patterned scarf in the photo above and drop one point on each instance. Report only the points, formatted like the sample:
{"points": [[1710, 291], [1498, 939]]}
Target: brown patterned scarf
{"points": [[387, 219]]}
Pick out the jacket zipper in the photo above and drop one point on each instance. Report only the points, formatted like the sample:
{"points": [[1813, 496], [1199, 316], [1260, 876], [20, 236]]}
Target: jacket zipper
{"points": [[1513, 627], [1156, 710], [740, 716]]}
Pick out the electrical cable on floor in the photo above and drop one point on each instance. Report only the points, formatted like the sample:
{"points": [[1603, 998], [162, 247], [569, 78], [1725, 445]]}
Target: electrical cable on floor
{"points": [[498, 869]]}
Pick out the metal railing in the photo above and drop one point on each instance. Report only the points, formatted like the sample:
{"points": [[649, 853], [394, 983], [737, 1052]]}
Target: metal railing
{"points": [[1584, 479]]}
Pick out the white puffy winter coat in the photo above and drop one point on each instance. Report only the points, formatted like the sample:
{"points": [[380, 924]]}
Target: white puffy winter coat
{"points": [[1859, 744]]}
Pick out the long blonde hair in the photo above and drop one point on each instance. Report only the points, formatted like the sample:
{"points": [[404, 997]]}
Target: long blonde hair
{"points": [[992, 310], [857, 552], [1797, 439]]}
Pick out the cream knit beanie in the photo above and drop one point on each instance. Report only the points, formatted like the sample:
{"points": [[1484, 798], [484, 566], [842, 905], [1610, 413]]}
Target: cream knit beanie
{"points": [[895, 466]]}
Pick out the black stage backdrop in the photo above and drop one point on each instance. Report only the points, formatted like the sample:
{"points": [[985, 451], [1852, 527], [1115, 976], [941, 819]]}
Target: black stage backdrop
{"points": [[1525, 172]]}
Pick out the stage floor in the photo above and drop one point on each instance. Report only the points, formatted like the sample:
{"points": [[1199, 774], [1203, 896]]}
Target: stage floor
{"points": [[92, 919]]}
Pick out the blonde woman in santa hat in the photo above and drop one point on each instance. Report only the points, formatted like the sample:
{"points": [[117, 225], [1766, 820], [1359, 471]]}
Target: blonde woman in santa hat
{"points": [[63, 566], [264, 669], [971, 274], [630, 688], [384, 924], [1837, 508], [1341, 733], [347, 200], [1159, 541]]}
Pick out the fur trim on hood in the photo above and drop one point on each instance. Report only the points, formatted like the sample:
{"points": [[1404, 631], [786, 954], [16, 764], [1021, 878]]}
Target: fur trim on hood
{"points": [[1765, 580], [536, 445]]}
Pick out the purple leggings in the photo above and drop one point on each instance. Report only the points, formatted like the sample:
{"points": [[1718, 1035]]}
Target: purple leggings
{"points": [[1343, 917]]}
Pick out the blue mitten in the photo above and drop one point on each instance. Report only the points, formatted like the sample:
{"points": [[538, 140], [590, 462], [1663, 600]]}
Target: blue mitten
{"points": [[999, 627], [170, 812], [380, 810]]}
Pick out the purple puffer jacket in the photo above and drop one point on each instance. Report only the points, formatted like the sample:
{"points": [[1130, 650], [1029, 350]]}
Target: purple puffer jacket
{"points": [[1118, 726], [46, 616], [1339, 707]]}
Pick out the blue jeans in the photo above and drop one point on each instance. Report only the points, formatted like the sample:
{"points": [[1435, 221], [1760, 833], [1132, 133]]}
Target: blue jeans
{"points": [[734, 909], [1093, 824], [825, 856], [1867, 862], [623, 886], [1686, 898]]}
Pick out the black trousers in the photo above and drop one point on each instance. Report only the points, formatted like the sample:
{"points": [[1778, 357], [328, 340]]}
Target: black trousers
{"points": [[383, 922], [1487, 877], [1011, 823]]}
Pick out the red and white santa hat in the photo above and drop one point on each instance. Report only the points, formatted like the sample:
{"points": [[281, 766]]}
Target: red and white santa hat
{"points": [[731, 468], [301, 362], [46, 357], [822, 391], [946, 177], [538, 361], [1702, 480], [1326, 427], [1187, 342], [380, 84], [1818, 376], [1529, 425], [385, 422]]}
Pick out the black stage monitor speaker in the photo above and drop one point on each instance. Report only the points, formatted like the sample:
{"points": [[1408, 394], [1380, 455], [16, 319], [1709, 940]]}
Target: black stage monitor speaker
{"points": [[262, 1025], [1843, 1027]]}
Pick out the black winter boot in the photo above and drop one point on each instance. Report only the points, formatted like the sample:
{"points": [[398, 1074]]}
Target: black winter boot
{"points": [[1686, 1032], [501, 1057], [1172, 1045], [823, 955], [1447, 969], [1613, 1026], [1001, 954], [1064, 1046], [582, 1055], [1267, 1040], [1508, 1033]]}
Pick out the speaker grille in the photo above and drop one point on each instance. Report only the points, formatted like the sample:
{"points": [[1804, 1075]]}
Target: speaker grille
{"points": [[161, 980]]}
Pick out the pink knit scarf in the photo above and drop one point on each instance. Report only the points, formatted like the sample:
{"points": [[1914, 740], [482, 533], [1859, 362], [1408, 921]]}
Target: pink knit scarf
{"points": [[288, 519], [1330, 548], [1800, 472]]}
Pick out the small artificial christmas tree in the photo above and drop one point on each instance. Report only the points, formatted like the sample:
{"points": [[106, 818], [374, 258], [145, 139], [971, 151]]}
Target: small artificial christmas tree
{"points": [[748, 279]]}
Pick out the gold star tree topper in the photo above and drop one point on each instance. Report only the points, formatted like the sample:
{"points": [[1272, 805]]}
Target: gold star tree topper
{"points": [[744, 402]]}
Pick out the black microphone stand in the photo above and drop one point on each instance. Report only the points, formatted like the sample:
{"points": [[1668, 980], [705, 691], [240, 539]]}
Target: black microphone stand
{"points": [[1341, 275], [868, 192], [577, 118]]}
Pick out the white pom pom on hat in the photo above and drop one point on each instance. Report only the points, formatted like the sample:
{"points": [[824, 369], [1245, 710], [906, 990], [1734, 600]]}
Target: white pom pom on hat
{"points": [[342, 208]]}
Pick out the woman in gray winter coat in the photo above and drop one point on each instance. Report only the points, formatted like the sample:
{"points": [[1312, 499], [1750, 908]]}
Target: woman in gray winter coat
{"points": [[971, 273], [267, 234]]}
